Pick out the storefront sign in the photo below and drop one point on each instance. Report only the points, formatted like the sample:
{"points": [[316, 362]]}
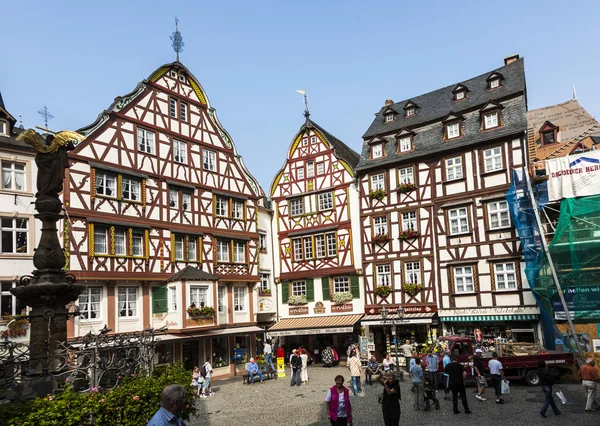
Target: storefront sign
{"points": [[300, 310], [410, 309], [319, 308], [573, 176], [347, 307], [402, 321], [311, 331], [583, 303], [490, 311], [265, 305]]}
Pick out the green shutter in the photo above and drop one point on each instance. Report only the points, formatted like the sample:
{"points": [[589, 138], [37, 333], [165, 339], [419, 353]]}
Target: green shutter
{"points": [[354, 287], [325, 287], [160, 300], [285, 291], [310, 289]]}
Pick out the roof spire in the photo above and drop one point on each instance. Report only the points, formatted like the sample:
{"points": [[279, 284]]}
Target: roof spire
{"points": [[177, 40], [306, 113], [46, 115], [574, 93]]}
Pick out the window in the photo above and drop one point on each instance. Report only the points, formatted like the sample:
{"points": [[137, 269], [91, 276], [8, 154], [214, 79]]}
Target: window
{"points": [[377, 181], [100, 240], [409, 221], [13, 176], [172, 299], [89, 302], [298, 288], [320, 246], [324, 246], [131, 188], [173, 74], [453, 130], [209, 160], [180, 151], [127, 301], [199, 295], [380, 225], [3, 126], [106, 184], [331, 244], [491, 120], [405, 144], [305, 142], [297, 207], [222, 251], [384, 275], [182, 111], [308, 248], [463, 279], [498, 214], [300, 173], [505, 276], [549, 137], [320, 168], [182, 78], [262, 242], [137, 244], [239, 299], [14, 235], [493, 159], [310, 169], [454, 168], [325, 201], [459, 222], [389, 117], [120, 242], [313, 139], [406, 175], [186, 201], [221, 299], [237, 209], [494, 83], [173, 198], [341, 284], [239, 252], [9, 304], [145, 141], [265, 282], [377, 150], [412, 272], [173, 108], [179, 244], [410, 112], [459, 95], [222, 208], [298, 252], [192, 249], [185, 248]]}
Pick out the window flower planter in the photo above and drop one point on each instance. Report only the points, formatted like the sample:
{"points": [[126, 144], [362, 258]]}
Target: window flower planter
{"points": [[408, 234], [201, 312], [297, 300], [16, 328], [404, 188], [377, 194], [264, 291], [412, 289], [341, 297], [381, 238], [383, 290]]}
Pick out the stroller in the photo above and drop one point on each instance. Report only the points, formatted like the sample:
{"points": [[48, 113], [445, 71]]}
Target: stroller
{"points": [[429, 398]]}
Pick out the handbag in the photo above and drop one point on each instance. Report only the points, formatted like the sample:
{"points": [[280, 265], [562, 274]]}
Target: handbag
{"points": [[504, 387], [561, 396]]}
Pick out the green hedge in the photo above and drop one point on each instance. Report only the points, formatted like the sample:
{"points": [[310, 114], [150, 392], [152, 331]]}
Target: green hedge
{"points": [[133, 402]]}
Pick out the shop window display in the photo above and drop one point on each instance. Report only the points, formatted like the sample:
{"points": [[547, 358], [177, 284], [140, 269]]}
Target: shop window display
{"points": [[241, 352], [220, 349]]}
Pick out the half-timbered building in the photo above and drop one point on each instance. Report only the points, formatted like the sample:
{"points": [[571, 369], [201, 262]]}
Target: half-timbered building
{"points": [[318, 267], [163, 223], [437, 236]]}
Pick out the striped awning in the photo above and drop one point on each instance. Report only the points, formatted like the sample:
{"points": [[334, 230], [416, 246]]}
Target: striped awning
{"points": [[315, 325], [414, 318], [489, 318]]}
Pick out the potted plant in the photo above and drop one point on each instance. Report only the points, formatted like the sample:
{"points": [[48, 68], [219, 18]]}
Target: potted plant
{"points": [[383, 290], [297, 300], [381, 238], [403, 188], [413, 289], [408, 234], [202, 311], [377, 194], [16, 326], [265, 291], [341, 297]]}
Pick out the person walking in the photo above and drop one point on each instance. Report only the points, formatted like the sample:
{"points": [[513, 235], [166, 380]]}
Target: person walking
{"points": [[432, 368], [196, 380], [546, 383], [206, 372], [497, 373], [478, 373], [355, 371], [390, 403], [268, 353], [372, 368], [456, 375], [304, 368], [407, 351], [296, 364], [589, 377], [339, 409], [418, 380], [445, 361]]}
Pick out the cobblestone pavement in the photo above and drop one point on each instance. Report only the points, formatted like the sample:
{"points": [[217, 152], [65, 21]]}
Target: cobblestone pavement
{"points": [[277, 403]]}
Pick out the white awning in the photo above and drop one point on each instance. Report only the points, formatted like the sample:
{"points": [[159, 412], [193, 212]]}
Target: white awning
{"points": [[417, 318], [208, 333]]}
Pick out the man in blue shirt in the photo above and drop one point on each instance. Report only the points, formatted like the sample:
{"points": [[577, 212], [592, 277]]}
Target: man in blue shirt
{"points": [[432, 368], [418, 380], [445, 362], [172, 401], [372, 368], [254, 371]]}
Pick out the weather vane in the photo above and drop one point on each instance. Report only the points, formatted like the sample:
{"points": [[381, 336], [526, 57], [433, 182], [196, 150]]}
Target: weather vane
{"points": [[303, 93], [177, 40], [46, 115]]}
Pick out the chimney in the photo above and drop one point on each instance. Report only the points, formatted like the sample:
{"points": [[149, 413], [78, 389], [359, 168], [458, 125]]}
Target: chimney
{"points": [[510, 59], [389, 102]]}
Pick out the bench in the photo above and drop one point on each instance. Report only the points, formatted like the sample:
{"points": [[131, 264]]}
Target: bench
{"points": [[269, 374]]}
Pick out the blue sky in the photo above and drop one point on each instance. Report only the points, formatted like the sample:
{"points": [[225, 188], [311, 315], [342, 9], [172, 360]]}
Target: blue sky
{"points": [[252, 56]]}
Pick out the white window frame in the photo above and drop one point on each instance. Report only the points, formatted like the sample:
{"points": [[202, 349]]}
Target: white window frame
{"points": [[405, 144], [192, 249], [89, 297], [173, 198], [498, 214], [454, 168], [120, 242], [128, 296], [145, 140], [505, 276], [406, 175], [223, 251], [384, 275], [105, 182], [300, 173], [464, 279], [320, 246], [307, 245], [172, 299], [341, 284], [186, 201], [100, 233], [265, 282], [179, 151], [14, 171], [199, 294], [221, 291], [409, 221], [239, 299], [310, 169], [491, 120], [237, 209], [460, 95], [378, 181], [452, 130], [179, 248], [492, 158], [410, 112], [331, 244], [3, 128], [325, 201], [380, 225], [222, 207], [134, 188], [458, 220], [320, 168], [173, 107], [183, 111], [137, 242], [377, 151], [239, 252], [389, 117], [297, 249], [209, 160], [262, 242], [19, 226], [297, 207], [494, 83], [298, 288], [412, 273]]}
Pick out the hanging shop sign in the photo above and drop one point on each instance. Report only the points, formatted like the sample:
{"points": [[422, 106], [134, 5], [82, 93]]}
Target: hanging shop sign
{"points": [[300, 310], [265, 305], [583, 303], [500, 310], [319, 308], [346, 307], [573, 176], [331, 330], [408, 309]]}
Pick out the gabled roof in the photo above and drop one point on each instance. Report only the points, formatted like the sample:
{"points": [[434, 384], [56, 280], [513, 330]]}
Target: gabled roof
{"points": [[410, 104], [6, 113], [460, 88], [490, 105], [341, 150], [451, 117], [390, 110], [494, 75], [404, 132], [191, 273]]}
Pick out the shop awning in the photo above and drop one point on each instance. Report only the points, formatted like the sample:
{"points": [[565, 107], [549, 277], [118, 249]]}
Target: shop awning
{"points": [[315, 325], [214, 332], [416, 318], [489, 318]]}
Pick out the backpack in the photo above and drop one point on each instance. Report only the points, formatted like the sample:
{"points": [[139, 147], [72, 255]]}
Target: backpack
{"points": [[203, 371]]}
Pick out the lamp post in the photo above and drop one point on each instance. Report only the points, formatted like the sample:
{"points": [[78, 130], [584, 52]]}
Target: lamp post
{"points": [[393, 322]]}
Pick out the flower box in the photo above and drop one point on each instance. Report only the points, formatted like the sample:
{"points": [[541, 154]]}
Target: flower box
{"points": [[201, 312], [297, 300], [341, 297], [409, 234], [17, 326], [403, 188], [381, 238], [264, 291], [377, 194], [383, 290], [412, 289]]}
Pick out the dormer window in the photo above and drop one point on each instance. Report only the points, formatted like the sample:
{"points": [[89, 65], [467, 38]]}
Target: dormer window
{"points": [[452, 126], [410, 112], [491, 115], [494, 83], [389, 117], [491, 120], [494, 80], [452, 130], [459, 95], [460, 92], [389, 114], [410, 109], [548, 133], [3, 128], [405, 140], [377, 151]]}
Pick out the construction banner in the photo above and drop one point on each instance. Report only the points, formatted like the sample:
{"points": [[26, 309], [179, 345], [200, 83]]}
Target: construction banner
{"points": [[573, 176]]}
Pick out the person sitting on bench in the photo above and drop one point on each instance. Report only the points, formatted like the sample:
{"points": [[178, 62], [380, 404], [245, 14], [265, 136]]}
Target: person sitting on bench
{"points": [[254, 371], [372, 368]]}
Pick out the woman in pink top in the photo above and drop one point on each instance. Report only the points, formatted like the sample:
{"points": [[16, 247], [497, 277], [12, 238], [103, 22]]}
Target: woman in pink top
{"points": [[338, 403]]}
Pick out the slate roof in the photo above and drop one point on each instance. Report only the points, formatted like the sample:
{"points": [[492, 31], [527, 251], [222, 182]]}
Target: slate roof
{"points": [[2, 101], [191, 273], [341, 150], [434, 106], [13, 142]]}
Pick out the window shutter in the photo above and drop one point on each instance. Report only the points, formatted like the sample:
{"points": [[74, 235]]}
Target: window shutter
{"points": [[159, 300], [285, 291], [354, 286], [325, 287], [310, 289]]}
